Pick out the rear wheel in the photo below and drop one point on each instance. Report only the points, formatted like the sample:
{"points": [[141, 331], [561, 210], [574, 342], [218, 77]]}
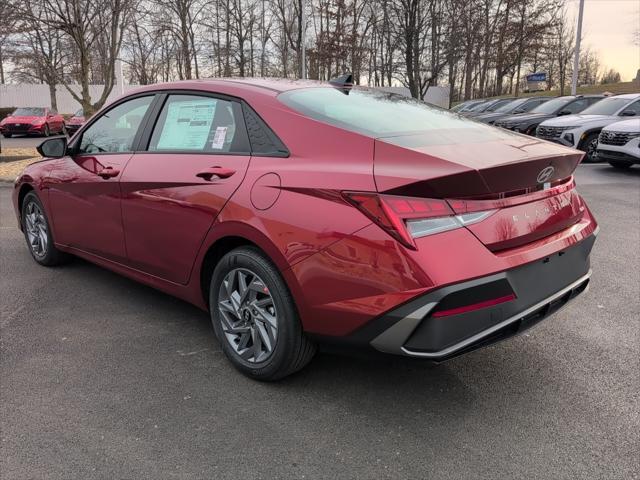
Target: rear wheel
{"points": [[38, 233], [620, 164], [590, 146], [255, 318]]}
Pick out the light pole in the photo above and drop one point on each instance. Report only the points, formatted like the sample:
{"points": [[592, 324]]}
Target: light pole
{"points": [[303, 60], [576, 56]]}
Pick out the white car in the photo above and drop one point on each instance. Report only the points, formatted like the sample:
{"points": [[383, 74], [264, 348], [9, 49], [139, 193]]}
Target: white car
{"points": [[581, 131], [619, 143]]}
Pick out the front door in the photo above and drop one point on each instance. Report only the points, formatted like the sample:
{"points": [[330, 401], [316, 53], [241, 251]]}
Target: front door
{"points": [[84, 190], [196, 158]]}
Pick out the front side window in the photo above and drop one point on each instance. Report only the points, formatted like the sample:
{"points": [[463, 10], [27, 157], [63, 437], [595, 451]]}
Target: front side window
{"points": [[194, 123], [577, 106], [116, 129], [634, 107], [607, 106]]}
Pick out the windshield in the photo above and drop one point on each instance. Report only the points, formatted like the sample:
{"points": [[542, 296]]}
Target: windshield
{"points": [[607, 106], [552, 106], [381, 114], [478, 107], [29, 112], [498, 104], [510, 107]]}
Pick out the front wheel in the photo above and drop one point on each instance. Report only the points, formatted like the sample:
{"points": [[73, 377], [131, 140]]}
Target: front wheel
{"points": [[6, 135], [590, 146], [254, 317], [46, 131], [37, 232]]}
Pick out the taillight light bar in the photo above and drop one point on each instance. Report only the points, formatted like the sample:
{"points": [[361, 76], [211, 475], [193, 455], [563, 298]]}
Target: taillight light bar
{"points": [[474, 306], [408, 218]]}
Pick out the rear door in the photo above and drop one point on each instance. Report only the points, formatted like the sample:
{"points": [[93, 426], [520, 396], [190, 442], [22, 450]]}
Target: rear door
{"points": [[84, 191], [196, 157]]}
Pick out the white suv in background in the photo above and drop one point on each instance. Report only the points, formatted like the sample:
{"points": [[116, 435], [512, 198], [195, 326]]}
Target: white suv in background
{"points": [[581, 131], [619, 143]]}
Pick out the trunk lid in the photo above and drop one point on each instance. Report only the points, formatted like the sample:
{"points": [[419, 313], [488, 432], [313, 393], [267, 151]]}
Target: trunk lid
{"points": [[526, 180]]}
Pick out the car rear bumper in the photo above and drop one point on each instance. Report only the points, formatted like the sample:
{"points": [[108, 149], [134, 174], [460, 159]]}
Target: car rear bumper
{"points": [[540, 288]]}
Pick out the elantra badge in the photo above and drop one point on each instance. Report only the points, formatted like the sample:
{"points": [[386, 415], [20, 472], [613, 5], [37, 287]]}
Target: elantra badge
{"points": [[545, 174]]}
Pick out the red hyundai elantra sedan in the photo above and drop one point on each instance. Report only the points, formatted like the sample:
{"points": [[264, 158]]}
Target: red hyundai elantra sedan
{"points": [[299, 213]]}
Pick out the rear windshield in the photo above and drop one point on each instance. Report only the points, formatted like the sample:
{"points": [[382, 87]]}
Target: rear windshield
{"points": [[607, 106], [377, 114], [29, 112]]}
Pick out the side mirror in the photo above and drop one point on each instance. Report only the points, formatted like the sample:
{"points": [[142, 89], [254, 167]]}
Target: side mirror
{"points": [[519, 110], [628, 113], [564, 112], [53, 148]]}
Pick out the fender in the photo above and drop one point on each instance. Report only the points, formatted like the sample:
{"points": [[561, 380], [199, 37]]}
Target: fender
{"points": [[221, 229]]}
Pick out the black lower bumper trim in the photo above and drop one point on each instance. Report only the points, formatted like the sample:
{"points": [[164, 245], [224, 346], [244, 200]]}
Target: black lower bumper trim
{"points": [[541, 288]]}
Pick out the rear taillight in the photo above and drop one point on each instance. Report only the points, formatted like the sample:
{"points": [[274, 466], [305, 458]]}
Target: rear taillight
{"points": [[407, 218]]}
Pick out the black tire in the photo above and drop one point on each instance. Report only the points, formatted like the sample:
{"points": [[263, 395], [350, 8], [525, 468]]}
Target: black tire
{"points": [[620, 164], [590, 146], [50, 256], [63, 131], [46, 132], [292, 350], [7, 135]]}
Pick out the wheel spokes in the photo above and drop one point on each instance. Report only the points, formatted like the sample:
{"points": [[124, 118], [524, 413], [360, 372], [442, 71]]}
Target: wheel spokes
{"points": [[248, 315]]}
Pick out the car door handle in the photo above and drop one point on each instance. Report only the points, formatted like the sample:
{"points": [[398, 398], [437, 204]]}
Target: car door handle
{"points": [[219, 172], [109, 172]]}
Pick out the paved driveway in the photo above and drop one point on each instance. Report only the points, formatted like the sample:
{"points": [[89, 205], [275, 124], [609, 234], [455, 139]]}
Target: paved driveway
{"points": [[104, 378]]}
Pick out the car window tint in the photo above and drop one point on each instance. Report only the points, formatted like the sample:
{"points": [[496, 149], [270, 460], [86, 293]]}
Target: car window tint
{"points": [[382, 114], [634, 107], [116, 129], [195, 123], [577, 106]]}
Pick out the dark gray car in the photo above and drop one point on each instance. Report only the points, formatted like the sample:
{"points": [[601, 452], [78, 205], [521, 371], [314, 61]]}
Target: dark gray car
{"points": [[521, 105]]}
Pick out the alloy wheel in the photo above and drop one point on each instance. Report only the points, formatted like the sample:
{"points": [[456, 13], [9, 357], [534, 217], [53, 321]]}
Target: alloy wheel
{"points": [[248, 315], [36, 228]]}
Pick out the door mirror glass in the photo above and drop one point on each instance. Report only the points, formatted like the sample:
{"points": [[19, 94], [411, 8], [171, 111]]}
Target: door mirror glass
{"points": [[53, 148]]}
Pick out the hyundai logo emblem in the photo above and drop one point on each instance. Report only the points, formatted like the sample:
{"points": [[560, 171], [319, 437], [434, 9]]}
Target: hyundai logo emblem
{"points": [[545, 174]]}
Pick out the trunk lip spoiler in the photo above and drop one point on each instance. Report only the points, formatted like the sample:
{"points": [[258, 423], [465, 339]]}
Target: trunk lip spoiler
{"points": [[504, 200]]}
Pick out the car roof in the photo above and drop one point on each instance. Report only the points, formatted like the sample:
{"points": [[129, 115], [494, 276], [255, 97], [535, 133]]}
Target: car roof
{"points": [[630, 96]]}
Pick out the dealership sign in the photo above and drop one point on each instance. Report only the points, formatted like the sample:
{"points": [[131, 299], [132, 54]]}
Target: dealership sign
{"points": [[537, 77]]}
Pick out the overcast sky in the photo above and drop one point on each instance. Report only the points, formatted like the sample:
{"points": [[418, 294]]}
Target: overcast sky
{"points": [[608, 27]]}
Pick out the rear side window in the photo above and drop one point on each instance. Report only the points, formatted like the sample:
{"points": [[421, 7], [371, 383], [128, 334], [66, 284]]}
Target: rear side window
{"points": [[263, 141], [194, 123]]}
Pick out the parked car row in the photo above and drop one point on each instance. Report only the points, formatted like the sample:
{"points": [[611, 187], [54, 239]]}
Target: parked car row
{"points": [[40, 121], [575, 121]]}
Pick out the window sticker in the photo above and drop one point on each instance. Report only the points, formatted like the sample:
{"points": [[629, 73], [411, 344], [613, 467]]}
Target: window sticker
{"points": [[219, 138], [187, 125]]}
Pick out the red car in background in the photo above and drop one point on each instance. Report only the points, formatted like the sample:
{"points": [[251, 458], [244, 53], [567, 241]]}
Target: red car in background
{"points": [[32, 121], [300, 212], [75, 122]]}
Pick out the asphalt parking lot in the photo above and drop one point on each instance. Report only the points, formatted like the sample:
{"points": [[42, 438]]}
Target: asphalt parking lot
{"points": [[101, 377]]}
